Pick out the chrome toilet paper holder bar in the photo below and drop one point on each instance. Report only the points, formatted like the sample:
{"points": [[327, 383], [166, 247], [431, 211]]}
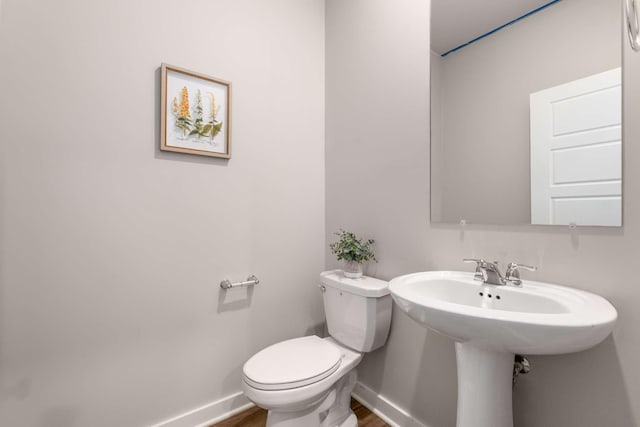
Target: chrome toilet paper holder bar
{"points": [[252, 280]]}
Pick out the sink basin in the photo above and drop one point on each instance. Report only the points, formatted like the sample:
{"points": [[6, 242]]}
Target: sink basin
{"points": [[537, 318], [490, 324]]}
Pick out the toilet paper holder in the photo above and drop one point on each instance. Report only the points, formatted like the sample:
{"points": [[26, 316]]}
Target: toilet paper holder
{"points": [[252, 280]]}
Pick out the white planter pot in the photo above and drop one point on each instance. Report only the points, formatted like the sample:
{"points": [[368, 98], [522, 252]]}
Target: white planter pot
{"points": [[352, 269]]}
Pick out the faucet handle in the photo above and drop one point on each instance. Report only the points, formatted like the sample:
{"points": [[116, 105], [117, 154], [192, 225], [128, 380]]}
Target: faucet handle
{"points": [[481, 273], [513, 266], [513, 272]]}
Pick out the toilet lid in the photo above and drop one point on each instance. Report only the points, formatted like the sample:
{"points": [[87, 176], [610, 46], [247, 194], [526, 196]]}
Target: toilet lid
{"points": [[293, 363]]}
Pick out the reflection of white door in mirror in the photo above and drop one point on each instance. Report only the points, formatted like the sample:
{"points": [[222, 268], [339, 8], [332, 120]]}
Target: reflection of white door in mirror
{"points": [[480, 93], [576, 171]]}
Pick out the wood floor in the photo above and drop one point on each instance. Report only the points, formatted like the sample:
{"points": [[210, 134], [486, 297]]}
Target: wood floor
{"points": [[257, 417]]}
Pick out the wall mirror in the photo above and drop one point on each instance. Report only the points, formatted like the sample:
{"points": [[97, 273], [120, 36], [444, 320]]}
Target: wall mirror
{"points": [[526, 112]]}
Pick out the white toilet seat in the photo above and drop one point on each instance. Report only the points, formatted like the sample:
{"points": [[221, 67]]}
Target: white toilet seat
{"points": [[302, 397], [293, 363]]}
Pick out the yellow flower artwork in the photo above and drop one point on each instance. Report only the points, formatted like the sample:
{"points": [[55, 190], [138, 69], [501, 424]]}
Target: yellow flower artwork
{"points": [[195, 113]]}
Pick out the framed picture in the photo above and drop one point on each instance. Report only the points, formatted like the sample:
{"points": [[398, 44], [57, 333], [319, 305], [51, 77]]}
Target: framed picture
{"points": [[195, 115]]}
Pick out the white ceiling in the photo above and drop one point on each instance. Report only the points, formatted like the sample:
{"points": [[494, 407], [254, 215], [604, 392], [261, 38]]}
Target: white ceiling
{"points": [[454, 22]]}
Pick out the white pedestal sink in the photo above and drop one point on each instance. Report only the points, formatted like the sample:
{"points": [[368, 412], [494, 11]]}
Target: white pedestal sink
{"points": [[490, 324]]}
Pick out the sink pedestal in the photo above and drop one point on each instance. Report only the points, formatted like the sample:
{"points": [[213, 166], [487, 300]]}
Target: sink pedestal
{"points": [[484, 387]]}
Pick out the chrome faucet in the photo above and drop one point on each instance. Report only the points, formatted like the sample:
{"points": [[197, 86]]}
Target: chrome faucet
{"points": [[513, 273], [489, 272]]}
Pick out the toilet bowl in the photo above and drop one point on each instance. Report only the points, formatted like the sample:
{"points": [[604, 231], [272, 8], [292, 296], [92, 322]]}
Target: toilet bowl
{"points": [[307, 381], [317, 390]]}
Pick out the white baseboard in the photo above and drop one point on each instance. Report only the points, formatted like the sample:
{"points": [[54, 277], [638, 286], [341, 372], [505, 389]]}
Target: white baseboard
{"points": [[227, 407], [388, 411], [210, 413]]}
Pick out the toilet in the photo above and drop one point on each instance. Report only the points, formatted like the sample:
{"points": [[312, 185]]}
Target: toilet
{"points": [[307, 382]]}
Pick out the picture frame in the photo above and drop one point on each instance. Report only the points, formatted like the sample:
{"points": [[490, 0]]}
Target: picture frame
{"points": [[195, 113]]}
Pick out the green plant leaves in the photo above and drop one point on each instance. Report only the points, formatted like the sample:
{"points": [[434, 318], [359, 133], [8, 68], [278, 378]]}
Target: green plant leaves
{"points": [[352, 248], [197, 126]]}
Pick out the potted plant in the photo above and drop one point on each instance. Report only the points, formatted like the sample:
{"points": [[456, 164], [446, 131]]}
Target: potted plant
{"points": [[353, 251]]}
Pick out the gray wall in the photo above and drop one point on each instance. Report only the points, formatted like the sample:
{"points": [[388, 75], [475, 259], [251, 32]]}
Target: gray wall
{"points": [[111, 252], [482, 147], [110, 260], [377, 183]]}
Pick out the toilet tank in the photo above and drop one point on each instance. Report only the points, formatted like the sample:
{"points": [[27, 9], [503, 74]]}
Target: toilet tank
{"points": [[358, 311]]}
